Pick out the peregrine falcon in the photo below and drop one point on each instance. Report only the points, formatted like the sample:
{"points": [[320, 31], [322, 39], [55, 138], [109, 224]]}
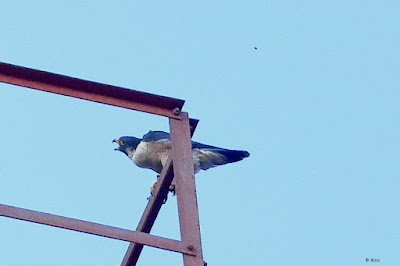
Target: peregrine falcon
{"points": [[153, 149]]}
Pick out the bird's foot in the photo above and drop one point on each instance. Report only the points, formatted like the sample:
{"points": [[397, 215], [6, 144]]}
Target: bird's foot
{"points": [[172, 189], [154, 186], [153, 191]]}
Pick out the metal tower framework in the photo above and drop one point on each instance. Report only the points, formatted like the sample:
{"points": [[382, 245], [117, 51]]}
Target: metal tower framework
{"points": [[179, 165]]}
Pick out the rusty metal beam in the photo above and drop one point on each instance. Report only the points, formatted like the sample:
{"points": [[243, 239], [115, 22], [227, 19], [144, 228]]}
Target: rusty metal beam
{"points": [[185, 187], [181, 127], [89, 90], [150, 213], [153, 206], [94, 229]]}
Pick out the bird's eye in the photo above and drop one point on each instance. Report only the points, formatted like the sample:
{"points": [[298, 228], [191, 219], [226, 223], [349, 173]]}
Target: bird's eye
{"points": [[121, 142]]}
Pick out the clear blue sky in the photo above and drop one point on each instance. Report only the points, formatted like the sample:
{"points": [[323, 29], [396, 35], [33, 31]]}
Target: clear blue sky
{"points": [[316, 105]]}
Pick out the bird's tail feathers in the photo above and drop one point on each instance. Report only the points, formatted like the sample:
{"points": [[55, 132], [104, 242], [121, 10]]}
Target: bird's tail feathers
{"points": [[233, 155]]}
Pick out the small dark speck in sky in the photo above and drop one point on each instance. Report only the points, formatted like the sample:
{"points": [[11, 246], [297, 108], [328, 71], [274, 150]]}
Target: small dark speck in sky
{"points": [[255, 48]]}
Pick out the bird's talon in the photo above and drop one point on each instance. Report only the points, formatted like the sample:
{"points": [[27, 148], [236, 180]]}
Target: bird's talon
{"points": [[153, 188], [165, 200], [172, 189]]}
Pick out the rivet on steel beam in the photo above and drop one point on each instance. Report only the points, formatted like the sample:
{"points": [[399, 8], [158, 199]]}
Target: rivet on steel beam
{"points": [[190, 247], [176, 111]]}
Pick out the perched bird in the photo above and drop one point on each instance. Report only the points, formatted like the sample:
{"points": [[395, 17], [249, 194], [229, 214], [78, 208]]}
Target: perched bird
{"points": [[153, 149]]}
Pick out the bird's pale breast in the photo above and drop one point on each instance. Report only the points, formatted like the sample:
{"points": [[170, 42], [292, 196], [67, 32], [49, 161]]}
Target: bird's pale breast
{"points": [[151, 155]]}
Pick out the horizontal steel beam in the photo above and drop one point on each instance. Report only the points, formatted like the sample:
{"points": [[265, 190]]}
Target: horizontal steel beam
{"points": [[125, 98], [89, 90], [94, 229]]}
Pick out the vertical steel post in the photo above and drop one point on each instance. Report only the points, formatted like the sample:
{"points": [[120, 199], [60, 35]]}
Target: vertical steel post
{"points": [[186, 188]]}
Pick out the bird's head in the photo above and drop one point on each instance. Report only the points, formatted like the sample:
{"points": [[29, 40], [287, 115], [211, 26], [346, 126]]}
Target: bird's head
{"points": [[127, 145]]}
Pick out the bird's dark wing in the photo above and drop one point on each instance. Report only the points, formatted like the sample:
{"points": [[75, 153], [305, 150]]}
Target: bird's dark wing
{"points": [[155, 135], [206, 156], [198, 145]]}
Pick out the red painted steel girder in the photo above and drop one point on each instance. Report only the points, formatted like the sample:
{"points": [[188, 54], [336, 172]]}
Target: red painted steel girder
{"points": [[150, 213], [89, 90], [185, 187], [94, 228], [154, 205], [180, 125]]}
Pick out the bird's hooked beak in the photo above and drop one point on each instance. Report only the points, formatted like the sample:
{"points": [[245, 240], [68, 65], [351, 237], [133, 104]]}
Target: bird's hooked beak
{"points": [[118, 142]]}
